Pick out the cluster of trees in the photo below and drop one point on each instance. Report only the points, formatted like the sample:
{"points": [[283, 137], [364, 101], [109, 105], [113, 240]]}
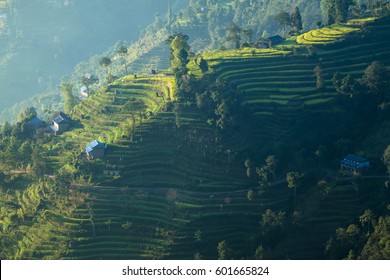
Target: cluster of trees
{"points": [[369, 91], [179, 53], [336, 11], [367, 239], [235, 34], [220, 103], [16, 146], [257, 16], [293, 20]]}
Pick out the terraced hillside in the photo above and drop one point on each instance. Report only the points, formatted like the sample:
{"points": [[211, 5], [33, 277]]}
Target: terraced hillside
{"points": [[175, 179], [180, 186], [277, 89]]}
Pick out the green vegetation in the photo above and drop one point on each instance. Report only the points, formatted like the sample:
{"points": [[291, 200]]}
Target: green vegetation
{"points": [[230, 154]]}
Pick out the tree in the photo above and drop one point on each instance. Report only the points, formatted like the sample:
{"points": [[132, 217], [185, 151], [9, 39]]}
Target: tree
{"points": [[386, 158], [272, 163], [39, 165], [296, 21], [179, 52], [106, 62], [198, 235], [267, 172], [320, 79], [70, 100], [376, 78], [367, 218], [122, 51], [233, 35], [259, 253], [223, 250], [250, 195], [27, 114], [264, 175], [203, 65], [248, 166], [283, 19], [247, 35], [335, 10], [6, 130], [294, 180]]}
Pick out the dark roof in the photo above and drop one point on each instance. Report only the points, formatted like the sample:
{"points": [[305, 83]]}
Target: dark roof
{"points": [[276, 39], [94, 145], [61, 118], [35, 122], [355, 159]]}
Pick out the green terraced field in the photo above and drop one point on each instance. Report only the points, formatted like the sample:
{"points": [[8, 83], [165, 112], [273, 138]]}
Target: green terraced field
{"points": [[177, 177]]}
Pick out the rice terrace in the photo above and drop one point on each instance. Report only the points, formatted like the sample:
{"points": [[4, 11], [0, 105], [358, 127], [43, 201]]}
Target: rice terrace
{"points": [[248, 145]]}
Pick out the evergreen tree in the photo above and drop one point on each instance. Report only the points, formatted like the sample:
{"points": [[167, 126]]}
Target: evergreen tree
{"points": [[106, 62], [122, 51], [233, 35], [70, 100], [296, 21]]}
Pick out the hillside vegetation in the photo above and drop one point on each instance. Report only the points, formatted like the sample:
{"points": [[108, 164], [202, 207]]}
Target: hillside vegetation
{"points": [[238, 161]]}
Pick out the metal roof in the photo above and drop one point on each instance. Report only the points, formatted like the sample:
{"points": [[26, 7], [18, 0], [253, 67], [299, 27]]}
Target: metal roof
{"points": [[355, 158], [94, 145]]}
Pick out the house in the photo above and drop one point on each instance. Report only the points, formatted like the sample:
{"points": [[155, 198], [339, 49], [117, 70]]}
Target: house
{"points": [[262, 43], [35, 124], [95, 150], [84, 92], [355, 164], [265, 43], [60, 123], [276, 40]]}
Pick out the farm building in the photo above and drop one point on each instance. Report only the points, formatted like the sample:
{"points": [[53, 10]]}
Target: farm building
{"points": [[95, 150], [276, 40], [60, 123], [354, 163], [84, 92], [265, 43]]}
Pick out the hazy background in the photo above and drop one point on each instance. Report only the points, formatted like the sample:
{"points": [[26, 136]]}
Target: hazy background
{"points": [[44, 39]]}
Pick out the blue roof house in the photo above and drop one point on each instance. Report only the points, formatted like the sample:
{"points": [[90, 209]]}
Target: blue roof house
{"points": [[354, 164], [95, 150]]}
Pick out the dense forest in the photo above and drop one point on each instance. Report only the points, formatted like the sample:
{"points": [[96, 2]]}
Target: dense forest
{"points": [[246, 147]]}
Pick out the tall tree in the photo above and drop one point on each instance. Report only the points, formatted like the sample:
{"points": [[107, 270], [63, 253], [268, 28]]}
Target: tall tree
{"points": [[70, 100], [336, 10], [272, 163], [296, 21], [39, 164], [234, 35], [283, 19], [386, 158], [294, 180], [223, 250], [376, 78], [320, 83], [106, 62], [179, 52], [247, 35], [28, 114], [122, 51]]}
